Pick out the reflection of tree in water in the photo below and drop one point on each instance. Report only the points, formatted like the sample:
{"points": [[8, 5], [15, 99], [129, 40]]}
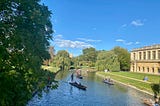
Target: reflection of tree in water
{"points": [[62, 74]]}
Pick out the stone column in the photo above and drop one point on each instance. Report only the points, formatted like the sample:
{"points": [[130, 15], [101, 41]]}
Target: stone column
{"points": [[159, 54], [151, 54], [132, 55], [137, 55], [141, 55], [156, 54], [146, 55]]}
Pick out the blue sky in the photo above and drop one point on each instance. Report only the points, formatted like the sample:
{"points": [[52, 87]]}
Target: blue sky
{"points": [[104, 24]]}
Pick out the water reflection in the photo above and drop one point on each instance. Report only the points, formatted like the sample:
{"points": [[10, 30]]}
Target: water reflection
{"points": [[97, 94]]}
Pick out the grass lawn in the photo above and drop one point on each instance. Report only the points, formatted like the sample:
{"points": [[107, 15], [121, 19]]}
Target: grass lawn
{"points": [[137, 79], [140, 76]]}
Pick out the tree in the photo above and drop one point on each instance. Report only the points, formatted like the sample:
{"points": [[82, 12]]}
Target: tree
{"points": [[107, 60], [123, 58], [62, 60], [25, 31], [89, 56]]}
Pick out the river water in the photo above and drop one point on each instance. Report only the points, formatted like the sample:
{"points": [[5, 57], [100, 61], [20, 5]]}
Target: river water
{"points": [[97, 93]]}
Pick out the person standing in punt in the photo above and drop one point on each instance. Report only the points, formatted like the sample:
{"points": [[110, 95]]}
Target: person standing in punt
{"points": [[72, 77]]}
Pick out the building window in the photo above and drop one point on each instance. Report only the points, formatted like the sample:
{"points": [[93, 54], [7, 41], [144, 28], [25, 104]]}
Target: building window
{"points": [[153, 54], [139, 68], [153, 69], [148, 69], [158, 54], [143, 69], [149, 55], [159, 70], [144, 55], [134, 56], [140, 55]]}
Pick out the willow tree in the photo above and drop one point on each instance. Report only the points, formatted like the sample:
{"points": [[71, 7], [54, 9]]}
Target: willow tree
{"points": [[25, 31]]}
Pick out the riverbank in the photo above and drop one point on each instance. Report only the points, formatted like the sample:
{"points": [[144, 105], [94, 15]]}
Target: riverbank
{"points": [[97, 93], [137, 84], [49, 76]]}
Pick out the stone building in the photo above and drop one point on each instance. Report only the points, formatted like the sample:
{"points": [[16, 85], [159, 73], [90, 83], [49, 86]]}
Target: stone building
{"points": [[146, 59]]}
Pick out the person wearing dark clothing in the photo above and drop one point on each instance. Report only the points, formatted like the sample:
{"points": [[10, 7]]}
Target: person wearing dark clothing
{"points": [[72, 77]]}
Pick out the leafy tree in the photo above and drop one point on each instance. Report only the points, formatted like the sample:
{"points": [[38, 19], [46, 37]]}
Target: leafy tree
{"points": [[90, 56], [62, 60], [107, 60], [25, 31], [123, 58]]}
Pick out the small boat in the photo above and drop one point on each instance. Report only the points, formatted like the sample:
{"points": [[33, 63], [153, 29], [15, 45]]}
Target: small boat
{"points": [[79, 76], [148, 102], [107, 81], [78, 85]]}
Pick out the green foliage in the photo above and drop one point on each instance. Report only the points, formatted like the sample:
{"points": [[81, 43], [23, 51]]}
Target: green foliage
{"points": [[89, 57], [107, 60], [156, 88], [123, 58], [25, 31], [62, 60], [140, 76]]}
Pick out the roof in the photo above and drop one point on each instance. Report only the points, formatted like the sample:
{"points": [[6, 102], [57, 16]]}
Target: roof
{"points": [[157, 46]]}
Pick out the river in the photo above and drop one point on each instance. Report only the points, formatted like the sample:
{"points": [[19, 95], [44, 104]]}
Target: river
{"points": [[97, 93]]}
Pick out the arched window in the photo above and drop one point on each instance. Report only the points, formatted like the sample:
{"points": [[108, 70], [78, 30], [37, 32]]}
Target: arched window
{"points": [[158, 54], [153, 69], [159, 70], [139, 68], [143, 69], [148, 69]]}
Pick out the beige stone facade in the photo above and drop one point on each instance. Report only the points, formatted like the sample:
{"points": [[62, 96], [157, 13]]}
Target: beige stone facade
{"points": [[146, 59]]}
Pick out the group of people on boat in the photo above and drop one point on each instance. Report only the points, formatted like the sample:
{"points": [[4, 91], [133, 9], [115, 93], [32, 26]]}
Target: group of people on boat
{"points": [[108, 79], [78, 74], [76, 83], [150, 102]]}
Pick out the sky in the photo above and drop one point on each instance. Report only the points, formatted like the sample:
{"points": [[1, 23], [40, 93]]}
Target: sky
{"points": [[104, 24]]}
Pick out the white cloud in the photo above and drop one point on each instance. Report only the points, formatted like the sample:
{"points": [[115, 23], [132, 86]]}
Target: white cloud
{"points": [[124, 25], [126, 43], [60, 42], [137, 23], [59, 36], [88, 40], [120, 40], [137, 43]]}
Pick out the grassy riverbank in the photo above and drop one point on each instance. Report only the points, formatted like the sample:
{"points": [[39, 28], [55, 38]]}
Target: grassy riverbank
{"points": [[134, 80]]}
